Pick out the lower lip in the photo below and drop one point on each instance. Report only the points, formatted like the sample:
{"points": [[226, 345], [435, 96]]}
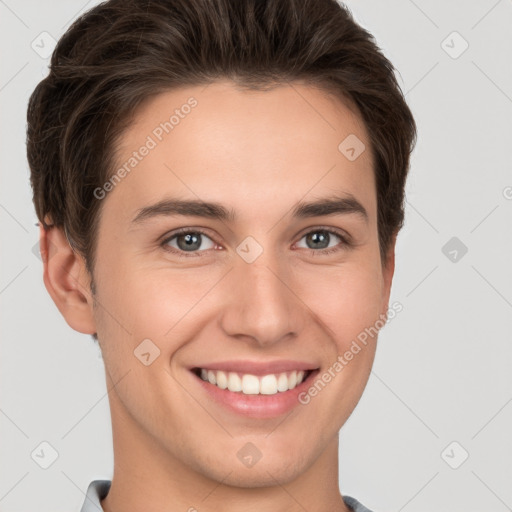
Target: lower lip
{"points": [[256, 406]]}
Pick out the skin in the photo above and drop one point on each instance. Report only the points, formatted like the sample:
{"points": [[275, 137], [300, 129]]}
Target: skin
{"points": [[258, 153]]}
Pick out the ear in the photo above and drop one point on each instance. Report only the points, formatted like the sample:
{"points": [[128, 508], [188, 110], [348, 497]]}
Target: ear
{"points": [[67, 280], [388, 270]]}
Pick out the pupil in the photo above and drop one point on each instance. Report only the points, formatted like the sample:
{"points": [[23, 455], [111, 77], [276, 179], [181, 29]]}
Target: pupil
{"points": [[192, 241], [320, 239]]}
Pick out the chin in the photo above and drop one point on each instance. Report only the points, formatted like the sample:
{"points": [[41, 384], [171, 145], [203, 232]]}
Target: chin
{"points": [[262, 475], [267, 471]]}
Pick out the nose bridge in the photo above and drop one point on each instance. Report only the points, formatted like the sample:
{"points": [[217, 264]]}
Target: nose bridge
{"points": [[261, 304]]}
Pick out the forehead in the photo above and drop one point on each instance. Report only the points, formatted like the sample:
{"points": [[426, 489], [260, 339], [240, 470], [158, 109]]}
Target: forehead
{"points": [[242, 148]]}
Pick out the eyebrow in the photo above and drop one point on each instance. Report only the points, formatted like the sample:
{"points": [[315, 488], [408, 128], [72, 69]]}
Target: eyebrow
{"points": [[334, 205]]}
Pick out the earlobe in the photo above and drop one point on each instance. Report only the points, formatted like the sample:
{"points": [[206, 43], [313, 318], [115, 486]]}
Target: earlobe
{"points": [[66, 278]]}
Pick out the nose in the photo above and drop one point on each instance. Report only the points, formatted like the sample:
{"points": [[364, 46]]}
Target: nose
{"points": [[261, 304]]}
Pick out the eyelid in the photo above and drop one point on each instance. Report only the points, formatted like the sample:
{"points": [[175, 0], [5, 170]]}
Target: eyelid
{"points": [[344, 235], [179, 231]]}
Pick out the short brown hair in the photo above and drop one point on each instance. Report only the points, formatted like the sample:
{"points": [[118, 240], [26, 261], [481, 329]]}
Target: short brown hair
{"points": [[123, 51]]}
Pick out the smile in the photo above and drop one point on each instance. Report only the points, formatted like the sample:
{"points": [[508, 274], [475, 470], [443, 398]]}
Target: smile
{"points": [[254, 389], [249, 384]]}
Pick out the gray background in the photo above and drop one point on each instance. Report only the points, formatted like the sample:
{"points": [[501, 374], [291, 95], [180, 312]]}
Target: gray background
{"points": [[442, 371]]}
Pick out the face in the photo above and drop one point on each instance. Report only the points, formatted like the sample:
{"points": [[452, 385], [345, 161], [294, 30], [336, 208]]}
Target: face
{"points": [[221, 324]]}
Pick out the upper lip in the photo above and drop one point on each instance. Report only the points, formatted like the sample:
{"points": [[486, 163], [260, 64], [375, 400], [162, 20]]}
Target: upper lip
{"points": [[257, 367]]}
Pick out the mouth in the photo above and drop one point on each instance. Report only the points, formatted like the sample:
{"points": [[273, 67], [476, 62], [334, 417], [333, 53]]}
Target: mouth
{"points": [[252, 391], [249, 384]]}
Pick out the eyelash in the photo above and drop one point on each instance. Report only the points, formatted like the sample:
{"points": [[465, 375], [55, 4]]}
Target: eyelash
{"points": [[345, 242]]}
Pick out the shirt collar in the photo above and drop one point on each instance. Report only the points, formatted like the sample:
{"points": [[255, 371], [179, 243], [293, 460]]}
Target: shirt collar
{"points": [[97, 490]]}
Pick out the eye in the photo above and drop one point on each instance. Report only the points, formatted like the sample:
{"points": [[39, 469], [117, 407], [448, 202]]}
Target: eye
{"points": [[324, 241], [188, 241]]}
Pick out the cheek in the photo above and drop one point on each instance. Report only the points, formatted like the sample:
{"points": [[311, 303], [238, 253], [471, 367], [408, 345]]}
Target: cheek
{"points": [[139, 328], [166, 306], [147, 300], [347, 300], [168, 300]]}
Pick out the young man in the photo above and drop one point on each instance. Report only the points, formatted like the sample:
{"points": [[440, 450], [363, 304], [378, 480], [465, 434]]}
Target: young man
{"points": [[220, 184]]}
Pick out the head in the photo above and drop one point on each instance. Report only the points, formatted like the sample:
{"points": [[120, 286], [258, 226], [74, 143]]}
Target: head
{"points": [[275, 137]]}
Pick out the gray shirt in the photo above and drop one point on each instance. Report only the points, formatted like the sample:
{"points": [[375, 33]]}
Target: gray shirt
{"points": [[98, 489]]}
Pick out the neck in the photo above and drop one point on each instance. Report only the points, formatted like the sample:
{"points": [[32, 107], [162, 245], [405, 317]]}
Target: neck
{"points": [[148, 478]]}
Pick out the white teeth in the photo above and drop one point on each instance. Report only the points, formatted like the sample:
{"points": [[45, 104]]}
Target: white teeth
{"points": [[222, 380], [282, 382], [268, 385], [292, 380], [234, 382], [251, 384]]}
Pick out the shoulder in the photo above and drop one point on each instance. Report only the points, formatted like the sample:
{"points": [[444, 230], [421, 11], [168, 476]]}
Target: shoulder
{"points": [[96, 491], [355, 505]]}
